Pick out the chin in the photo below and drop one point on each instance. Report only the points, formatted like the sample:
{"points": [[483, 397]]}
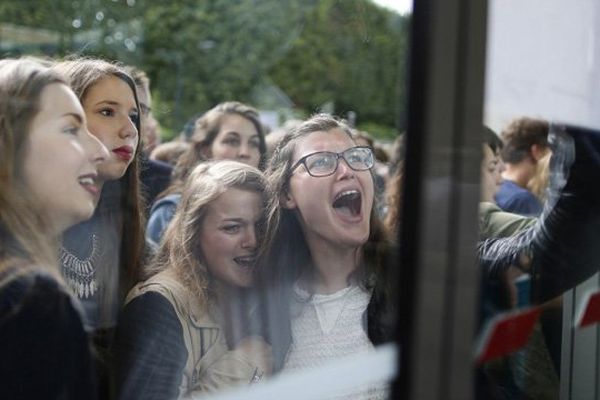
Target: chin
{"points": [[112, 173]]}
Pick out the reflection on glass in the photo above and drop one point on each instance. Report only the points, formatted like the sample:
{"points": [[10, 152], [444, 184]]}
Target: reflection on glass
{"points": [[173, 310]]}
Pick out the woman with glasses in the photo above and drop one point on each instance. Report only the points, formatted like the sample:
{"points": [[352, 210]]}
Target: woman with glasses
{"points": [[324, 263]]}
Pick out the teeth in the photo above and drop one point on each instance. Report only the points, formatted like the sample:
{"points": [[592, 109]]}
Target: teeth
{"points": [[86, 180], [346, 193], [245, 261]]}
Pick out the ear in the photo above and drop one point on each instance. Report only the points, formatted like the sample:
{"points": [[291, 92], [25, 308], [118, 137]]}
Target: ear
{"points": [[287, 201], [537, 151], [205, 152]]}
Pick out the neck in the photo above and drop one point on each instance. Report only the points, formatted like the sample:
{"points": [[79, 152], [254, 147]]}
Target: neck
{"points": [[519, 173], [332, 266]]}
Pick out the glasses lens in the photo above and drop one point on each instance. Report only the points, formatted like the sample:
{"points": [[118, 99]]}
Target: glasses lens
{"points": [[322, 163], [359, 158]]}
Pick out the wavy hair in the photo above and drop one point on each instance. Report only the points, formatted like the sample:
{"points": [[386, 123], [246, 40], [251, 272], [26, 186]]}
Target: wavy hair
{"points": [[179, 249], [285, 248], [206, 129]]}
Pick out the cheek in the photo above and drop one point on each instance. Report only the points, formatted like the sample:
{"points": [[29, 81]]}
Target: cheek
{"points": [[100, 130]]}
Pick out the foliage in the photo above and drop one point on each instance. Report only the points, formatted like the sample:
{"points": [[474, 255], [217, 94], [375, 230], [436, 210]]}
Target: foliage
{"points": [[349, 54]]}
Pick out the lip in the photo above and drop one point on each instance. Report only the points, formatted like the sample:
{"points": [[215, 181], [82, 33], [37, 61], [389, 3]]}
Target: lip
{"points": [[89, 182], [343, 216], [125, 153], [246, 262]]}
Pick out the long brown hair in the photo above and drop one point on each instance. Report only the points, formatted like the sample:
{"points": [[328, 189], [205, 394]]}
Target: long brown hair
{"points": [[206, 129], [83, 73], [287, 250], [22, 226]]}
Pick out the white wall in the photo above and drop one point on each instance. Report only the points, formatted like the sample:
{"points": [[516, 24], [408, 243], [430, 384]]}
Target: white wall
{"points": [[543, 60]]}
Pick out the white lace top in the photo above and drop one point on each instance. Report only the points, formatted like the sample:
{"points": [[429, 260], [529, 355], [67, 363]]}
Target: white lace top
{"points": [[327, 327]]}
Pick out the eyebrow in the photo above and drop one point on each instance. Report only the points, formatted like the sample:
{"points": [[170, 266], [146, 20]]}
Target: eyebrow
{"points": [[234, 219], [76, 116], [112, 103]]}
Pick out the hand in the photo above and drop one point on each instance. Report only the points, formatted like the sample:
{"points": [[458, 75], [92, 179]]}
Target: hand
{"points": [[258, 352]]}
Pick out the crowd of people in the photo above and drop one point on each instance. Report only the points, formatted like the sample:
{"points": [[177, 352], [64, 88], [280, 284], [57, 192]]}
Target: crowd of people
{"points": [[262, 252]]}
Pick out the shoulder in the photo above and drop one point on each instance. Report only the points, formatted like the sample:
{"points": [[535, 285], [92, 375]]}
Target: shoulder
{"points": [[514, 198], [170, 201], [23, 286], [185, 304], [494, 222]]}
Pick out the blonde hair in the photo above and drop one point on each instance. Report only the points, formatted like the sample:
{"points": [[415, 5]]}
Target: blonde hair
{"points": [[23, 231], [179, 248], [539, 182]]}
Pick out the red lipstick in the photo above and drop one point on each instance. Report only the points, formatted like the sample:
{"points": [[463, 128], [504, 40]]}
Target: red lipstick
{"points": [[125, 153]]}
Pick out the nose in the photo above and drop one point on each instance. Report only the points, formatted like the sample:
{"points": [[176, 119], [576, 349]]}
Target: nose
{"points": [[343, 170], [128, 129], [244, 151], [249, 240], [95, 149]]}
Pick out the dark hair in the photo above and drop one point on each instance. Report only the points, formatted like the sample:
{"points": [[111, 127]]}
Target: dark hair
{"points": [[285, 239], [520, 135], [206, 129], [84, 73], [492, 140]]}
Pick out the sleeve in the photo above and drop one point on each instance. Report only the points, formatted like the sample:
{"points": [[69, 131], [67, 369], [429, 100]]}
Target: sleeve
{"points": [[150, 349], [561, 248], [45, 350], [158, 221], [497, 223]]}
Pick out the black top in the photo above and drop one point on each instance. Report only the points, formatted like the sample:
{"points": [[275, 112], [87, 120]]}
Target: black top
{"points": [[155, 177], [150, 350], [44, 349]]}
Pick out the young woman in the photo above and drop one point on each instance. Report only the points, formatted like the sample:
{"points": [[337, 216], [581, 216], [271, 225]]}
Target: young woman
{"points": [[327, 252], [229, 131], [180, 332], [100, 258], [48, 182]]}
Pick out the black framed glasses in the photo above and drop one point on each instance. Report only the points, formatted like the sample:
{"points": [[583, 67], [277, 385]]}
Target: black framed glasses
{"points": [[325, 163]]}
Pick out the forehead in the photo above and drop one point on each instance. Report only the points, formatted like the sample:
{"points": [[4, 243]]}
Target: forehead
{"points": [[237, 123], [58, 99], [335, 140], [112, 89], [235, 203]]}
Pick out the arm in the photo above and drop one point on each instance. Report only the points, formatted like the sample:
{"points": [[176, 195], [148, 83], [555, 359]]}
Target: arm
{"points": [[149, 349], [45, 351], [158, 221], [561, 249], [497, 223]]}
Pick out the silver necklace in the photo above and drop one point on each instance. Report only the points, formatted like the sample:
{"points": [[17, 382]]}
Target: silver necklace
{"points": [[81, 274]]}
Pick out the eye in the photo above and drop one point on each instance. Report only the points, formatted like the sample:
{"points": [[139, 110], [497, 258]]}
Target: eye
{"points": [[231, 141], [231, 229], [135, 118], [323, 161], [107, 112], [71, 130], [254, 143]]}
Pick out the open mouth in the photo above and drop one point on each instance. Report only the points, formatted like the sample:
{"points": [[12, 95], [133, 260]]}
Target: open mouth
{"points": [[89, 183], [246, 261], [348, 203]]}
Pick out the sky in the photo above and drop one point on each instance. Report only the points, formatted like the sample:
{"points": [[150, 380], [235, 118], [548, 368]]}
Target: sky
{"points": [[401, 6]]}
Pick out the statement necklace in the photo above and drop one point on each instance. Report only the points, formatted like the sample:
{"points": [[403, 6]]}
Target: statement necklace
{"points": [[81, 274]]}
